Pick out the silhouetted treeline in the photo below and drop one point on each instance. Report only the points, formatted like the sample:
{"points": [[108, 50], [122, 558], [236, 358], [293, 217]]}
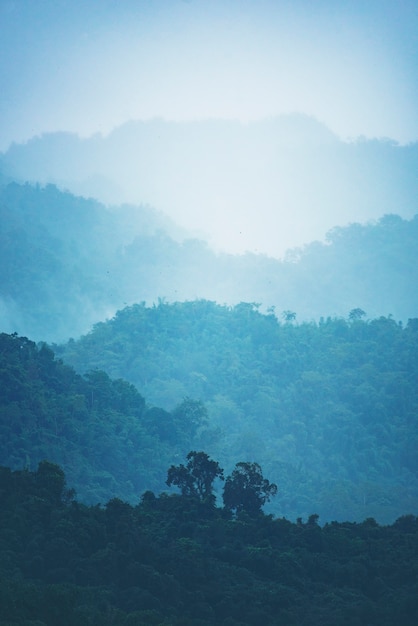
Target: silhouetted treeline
{"points": [[179, 561]]}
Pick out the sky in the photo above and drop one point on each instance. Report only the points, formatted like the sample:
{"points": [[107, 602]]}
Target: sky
{"points": [[89, 65]]}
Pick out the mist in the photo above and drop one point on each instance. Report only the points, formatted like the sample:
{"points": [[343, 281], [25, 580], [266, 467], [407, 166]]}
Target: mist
{"points": [[208, 251], [88, 67], [141, 81], [264, 187], [256, 127]]}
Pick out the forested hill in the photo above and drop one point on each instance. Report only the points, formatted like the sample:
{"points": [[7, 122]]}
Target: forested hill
{"points": [[176, 561], [328, 409], [101, 431], [182, 559], [68, 262], [60, 259]]}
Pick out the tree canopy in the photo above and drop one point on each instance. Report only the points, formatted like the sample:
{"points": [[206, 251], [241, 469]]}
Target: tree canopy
{"points": [[247, 490], [328, 409], [172, 560], [197, 477]]}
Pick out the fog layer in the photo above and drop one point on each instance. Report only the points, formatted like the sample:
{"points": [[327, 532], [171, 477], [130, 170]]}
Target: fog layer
{"points": [[262, 187]]}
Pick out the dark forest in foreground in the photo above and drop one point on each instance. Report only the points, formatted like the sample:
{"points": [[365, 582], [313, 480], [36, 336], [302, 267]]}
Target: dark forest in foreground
{"points": [[177, 561]]}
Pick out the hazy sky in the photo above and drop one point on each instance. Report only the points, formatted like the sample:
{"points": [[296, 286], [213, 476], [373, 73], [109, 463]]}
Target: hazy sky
{"points": [[89, 65]]}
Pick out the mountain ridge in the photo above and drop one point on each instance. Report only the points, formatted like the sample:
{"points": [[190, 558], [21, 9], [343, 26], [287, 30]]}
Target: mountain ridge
{"points": [[262, 186], [68, 262]]}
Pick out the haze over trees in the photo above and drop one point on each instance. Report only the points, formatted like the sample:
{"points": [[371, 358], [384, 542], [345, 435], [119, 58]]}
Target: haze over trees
{"points": [[274, 359], [265, 186], [328, 410], [301, 369], [67, 262], [208, 328]]}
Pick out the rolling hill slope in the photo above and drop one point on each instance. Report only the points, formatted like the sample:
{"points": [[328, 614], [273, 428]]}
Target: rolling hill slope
{"points": [[67, 262]]}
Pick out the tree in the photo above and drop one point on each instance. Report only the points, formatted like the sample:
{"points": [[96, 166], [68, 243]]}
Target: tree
{"points": [[289, 316], [247, 490], [356, 314], [197, 477]]}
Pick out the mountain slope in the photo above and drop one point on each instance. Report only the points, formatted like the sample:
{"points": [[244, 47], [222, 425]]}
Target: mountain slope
{"points": [[107, 439], [329, 410], [68, 262]]}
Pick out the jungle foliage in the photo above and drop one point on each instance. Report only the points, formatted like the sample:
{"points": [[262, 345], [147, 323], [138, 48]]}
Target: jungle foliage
{"points": [[175, 560], [328, 409], [322, 396], [101, 431]]}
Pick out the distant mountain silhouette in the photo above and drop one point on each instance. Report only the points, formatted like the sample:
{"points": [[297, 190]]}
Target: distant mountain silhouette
{"points": [[265, 186]]}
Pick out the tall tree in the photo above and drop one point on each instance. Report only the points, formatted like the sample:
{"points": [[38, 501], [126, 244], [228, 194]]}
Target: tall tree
{"points": [[197, 477], [247, 490]]}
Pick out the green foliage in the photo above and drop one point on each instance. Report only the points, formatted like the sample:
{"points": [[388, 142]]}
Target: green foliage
{"points": [[197, 477], [356, 314], [171, 560], [190, 416], [329, 409], [99, 429], [247, 490]]}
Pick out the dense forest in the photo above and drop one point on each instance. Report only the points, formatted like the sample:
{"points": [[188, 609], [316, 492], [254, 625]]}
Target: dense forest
{"points": [[208, 313], [67, 262], [127, 344], [101, 431], [329, 410], [178, 560]]}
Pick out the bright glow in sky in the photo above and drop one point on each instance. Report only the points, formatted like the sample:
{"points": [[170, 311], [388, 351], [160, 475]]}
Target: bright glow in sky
{"points": [[90, 65]]}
